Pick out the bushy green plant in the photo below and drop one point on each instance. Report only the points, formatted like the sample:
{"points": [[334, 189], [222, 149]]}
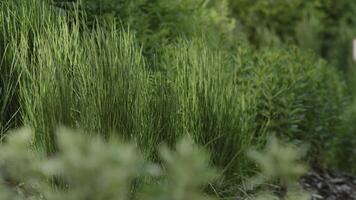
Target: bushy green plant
{"points": [[301, 99], [339, 32], [265, 20], [325, 26], [89, 168], [281, 163], [342, 149]]}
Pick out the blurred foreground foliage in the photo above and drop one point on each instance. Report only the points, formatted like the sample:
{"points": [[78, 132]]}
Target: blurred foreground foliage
{"points": [[279, 163], [89, 168]]}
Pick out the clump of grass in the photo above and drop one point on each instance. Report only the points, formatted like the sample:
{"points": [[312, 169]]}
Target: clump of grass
{"points": [[8, 91], [8, 84], [68, 75], [233, 100]]}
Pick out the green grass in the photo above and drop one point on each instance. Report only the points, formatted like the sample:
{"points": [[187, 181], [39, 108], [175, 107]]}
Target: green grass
{"points": [[97, 79]]}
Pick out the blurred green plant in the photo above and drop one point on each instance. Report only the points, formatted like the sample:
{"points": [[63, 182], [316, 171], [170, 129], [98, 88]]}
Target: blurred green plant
{"points": [[325, 26], [279, 163], [342, 150], [89, 168]]}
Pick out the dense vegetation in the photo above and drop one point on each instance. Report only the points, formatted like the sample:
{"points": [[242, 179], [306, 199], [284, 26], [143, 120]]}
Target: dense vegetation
{"points": [[89, 168], [325, 26], [228, 74]]}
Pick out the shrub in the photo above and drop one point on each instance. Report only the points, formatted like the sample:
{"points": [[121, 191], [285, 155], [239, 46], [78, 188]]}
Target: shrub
{"points": [[265, 20], [279, 162], [339, 32], [342, 149], [325, 26], [88, 168]]}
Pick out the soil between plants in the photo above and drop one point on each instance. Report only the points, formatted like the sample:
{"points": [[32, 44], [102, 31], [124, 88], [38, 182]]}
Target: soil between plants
{"points": [[328, 185]]}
